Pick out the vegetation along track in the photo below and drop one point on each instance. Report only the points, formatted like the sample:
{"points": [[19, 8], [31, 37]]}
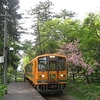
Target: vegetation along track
{"points": [[57, 97]]}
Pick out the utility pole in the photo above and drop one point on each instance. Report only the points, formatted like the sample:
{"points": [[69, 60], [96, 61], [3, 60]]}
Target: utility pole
{"points": [[5, 49]]}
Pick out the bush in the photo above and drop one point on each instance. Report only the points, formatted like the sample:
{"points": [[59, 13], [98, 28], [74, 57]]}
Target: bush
{"points": [[3, 90], [83, 91]]}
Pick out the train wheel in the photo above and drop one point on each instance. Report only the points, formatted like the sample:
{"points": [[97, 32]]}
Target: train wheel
{"points": [[32, 84]]}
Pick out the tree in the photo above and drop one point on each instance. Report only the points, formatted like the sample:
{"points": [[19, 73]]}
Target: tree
{"points": [[50, 36], [76, 62], [43, 16], [64, 14], [91, 40], [28, 48], [42, 13], [11, 6]]}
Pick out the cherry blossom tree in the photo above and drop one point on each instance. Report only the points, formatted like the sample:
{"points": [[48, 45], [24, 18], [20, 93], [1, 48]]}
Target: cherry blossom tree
{"points": [[75, 59]]}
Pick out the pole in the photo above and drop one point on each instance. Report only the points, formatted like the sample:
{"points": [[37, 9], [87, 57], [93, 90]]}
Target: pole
{"points": [[5, 50]]}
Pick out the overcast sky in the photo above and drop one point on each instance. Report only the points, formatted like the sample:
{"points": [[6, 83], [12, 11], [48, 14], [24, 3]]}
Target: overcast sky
{"points": [[79, 6]]}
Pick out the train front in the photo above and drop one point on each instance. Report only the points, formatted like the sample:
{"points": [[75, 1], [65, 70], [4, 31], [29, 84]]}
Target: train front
{"points": [[52, 73]]}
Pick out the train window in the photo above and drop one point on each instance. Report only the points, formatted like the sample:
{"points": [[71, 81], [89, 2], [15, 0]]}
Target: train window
{"points": [[42, 64], [28, 68], [42, 58], [52, 65], [61, 63]]}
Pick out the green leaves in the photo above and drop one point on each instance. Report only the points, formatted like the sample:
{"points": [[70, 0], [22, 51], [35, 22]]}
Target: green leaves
{"points": [[90, 38], [2, 90], [12, 31]]}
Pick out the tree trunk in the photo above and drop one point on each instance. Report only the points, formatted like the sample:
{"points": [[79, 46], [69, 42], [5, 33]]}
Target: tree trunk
{"points": [[73, 77], [87, 79]]}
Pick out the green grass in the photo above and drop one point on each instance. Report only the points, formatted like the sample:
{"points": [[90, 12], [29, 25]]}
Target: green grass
{"points": [[83, 91]]}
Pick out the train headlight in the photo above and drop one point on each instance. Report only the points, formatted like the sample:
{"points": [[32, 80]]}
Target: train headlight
{"points": [[61, 75], [52, 56], [42, 75]]}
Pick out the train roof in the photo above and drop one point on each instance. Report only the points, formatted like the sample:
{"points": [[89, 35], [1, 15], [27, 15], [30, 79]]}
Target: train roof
{"points": [[43, 55]]}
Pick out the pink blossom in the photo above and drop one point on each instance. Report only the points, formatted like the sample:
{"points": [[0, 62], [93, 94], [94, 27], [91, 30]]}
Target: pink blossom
{"points": [[74, 55]]}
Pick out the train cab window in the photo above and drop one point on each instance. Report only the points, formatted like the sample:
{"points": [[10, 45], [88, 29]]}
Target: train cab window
{"points": [[61, 63], [42, 64], [52, 65]]}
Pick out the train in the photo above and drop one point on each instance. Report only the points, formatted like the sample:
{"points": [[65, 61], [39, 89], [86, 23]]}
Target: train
{"points": [[47, 73]]}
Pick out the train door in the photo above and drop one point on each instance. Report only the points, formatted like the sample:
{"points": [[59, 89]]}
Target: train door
{"points": [[53, 74]]}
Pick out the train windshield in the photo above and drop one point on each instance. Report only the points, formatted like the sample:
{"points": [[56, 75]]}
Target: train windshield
{"points": [[61, 63], [42, 64], [51, 64]]}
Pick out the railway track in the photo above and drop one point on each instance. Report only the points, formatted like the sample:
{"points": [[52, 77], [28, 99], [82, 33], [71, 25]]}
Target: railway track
{"points": [[57, 97]]}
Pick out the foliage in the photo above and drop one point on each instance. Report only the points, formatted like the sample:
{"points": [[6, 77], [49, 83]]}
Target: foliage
{"points": [[75, 60], [89, 44], [83, 91], [64, 14], [11, 7], [29, 49], [42, 13], [2, 90], [47, 29], [26, 60], [50, 36]]}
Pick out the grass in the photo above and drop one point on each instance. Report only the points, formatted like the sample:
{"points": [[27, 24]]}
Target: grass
{"points": [[81, 91]]}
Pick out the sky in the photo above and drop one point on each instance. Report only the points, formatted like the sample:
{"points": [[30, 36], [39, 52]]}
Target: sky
{"points": [[81, 7]]}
